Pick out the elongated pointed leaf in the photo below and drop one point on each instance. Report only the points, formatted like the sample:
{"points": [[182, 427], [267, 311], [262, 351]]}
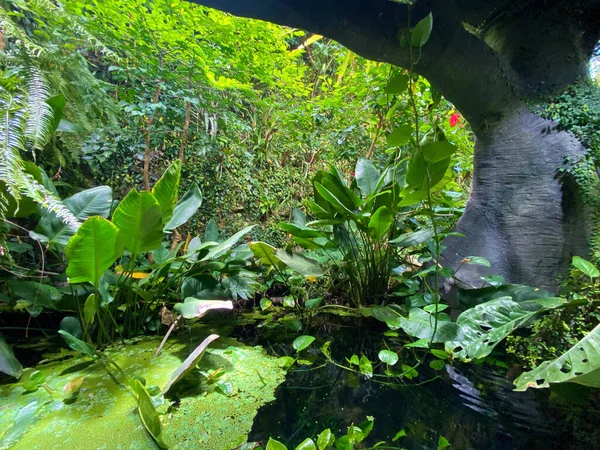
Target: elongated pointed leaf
{"points": [[483, 327], [211, 234], [367, 176], [138, 217], [413, 238], [334, 201], [304, 232], [92, 250], [166, 189], [193, 308], [305, 266], [380, 222], [190, 362], [148, 413], [422, 31], [85, 204], [580, 364], [225, 246], [77, 344], [186, 207]]}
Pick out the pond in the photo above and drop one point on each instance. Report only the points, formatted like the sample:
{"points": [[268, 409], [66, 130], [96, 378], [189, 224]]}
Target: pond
{"points": [[472, 406]]}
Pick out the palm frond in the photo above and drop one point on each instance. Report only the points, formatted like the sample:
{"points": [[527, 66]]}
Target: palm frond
{"points": [[39, 113]]}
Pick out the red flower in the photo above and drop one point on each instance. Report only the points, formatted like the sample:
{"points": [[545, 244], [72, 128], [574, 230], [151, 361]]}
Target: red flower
{"points": [[352, 173], [454, 119]]}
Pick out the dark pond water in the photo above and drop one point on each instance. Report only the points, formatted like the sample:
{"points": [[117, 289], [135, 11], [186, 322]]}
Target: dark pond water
{"points": [[473, 406]]}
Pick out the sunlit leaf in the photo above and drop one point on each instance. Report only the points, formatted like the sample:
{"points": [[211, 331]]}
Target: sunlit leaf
{"points": [[166, 189], [138, 216], [302, 342]]}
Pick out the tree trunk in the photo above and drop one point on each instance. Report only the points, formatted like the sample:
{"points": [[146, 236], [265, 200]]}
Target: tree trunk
{"points": [[522, 215]]}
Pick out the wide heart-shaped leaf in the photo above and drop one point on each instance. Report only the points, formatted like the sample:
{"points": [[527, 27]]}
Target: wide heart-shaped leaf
{"points": [[397, 84], [85, 204], [166, 189], [437, 151], [194, 308], [422, 325], [92, 250], [483, 327], [9, 364], [399, 136], [367, 176], [185, 208], [580, 364], [190, 362], [138, 216]]}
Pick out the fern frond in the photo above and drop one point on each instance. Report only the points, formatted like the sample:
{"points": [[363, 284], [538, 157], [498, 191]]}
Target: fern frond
{"points": [[14, 32], [39, 113]]}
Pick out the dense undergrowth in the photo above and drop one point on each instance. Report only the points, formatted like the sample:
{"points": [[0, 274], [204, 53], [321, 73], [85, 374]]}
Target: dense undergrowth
{"points": [[160, 161]]}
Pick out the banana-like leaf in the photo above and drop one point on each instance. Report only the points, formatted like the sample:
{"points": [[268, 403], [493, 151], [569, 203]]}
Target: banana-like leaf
{"points": [[580, 364], [138, 217], [304, 231], [193, 308], [265, 253], [91, 202], [92, 250], [483, 327], [380, 222], [190, 362], [225, 246], [305, 266], [166, 189], [185, 208]]}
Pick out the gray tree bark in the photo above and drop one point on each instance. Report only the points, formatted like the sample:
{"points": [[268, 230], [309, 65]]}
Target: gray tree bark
{"points": [[487, 58]]}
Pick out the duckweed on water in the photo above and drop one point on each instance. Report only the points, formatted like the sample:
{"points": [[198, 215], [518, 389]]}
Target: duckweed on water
{"points": [[201, 413]]}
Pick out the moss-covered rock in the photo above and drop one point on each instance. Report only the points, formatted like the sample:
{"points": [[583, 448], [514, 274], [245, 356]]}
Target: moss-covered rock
{"points": [[197, 414]]}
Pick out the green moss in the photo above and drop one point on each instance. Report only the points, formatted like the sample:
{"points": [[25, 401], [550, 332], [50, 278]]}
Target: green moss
{"points": [[104, 416]]}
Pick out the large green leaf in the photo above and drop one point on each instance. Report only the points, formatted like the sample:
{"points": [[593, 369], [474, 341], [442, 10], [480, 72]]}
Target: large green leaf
{"points": [[138, 217], [225, 246], [211, 234], [190, 362], [397, 84], [92, 250], [422, 31], [413, 238], [304, 231], [580, 364], [437, 151], [193, 308], [148, 413], [8, 363], [367, 176], [519, 293], [399, 136], [344, 208], [586, 267], [380, 222], [85, 204], [265, 253], [483, 327], [166, 189], [77, 344], [421, 324], [305, 266], [186, 207]]}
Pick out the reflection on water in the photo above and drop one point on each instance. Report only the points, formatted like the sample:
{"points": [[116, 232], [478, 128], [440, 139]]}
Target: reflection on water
{"points": [[473, 406]]}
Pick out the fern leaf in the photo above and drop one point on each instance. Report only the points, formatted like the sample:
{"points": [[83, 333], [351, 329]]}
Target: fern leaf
{"points": [[39, 113]]}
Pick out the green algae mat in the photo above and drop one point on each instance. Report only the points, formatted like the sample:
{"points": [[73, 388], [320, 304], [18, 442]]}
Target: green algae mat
{"points": [[212, 408]]}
